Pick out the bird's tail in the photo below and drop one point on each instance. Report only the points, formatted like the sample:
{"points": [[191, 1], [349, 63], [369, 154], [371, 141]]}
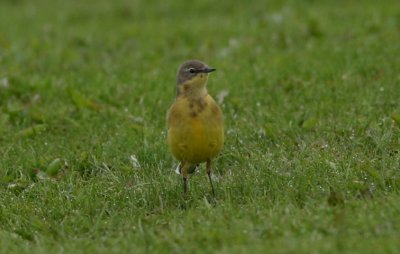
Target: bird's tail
{"points": [[191, 169]]}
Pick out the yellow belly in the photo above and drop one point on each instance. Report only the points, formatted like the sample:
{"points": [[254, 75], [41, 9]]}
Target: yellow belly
{"points": [[195, 139]]}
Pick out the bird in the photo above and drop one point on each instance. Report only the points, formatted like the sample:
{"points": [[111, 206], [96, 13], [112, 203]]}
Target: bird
{"points": [[194, 121]]}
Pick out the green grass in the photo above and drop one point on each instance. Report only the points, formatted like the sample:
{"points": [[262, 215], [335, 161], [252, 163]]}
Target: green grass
{"points": [[311, 162]]}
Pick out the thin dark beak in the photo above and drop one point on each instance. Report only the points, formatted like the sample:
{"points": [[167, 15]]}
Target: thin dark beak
{"points": [[208, 69]]}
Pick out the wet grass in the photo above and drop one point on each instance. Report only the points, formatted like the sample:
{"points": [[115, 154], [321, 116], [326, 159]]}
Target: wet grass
{"points": [[310, 94]]}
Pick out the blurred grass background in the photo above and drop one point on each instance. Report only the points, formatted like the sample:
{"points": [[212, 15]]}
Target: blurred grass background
{"points": [[310, 93]]}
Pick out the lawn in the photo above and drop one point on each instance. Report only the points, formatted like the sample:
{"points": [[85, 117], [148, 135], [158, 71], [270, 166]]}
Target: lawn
{"points": [[310, 94]]}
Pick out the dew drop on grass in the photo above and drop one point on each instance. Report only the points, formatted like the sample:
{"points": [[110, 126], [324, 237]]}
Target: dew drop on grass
{"points": [[4, 83], [224, 52], [234, 43], [134, 161], [221, 96], [36, 98], [277, 18], [332, 165]]}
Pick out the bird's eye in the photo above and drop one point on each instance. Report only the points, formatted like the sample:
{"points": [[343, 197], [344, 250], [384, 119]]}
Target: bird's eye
{"points": [[191, 70]]}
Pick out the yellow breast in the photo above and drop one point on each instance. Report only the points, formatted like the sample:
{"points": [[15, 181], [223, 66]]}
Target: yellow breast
{"points": [[195, 129]]}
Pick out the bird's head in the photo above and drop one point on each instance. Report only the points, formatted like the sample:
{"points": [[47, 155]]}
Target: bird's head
{"points": [[192, 77]]}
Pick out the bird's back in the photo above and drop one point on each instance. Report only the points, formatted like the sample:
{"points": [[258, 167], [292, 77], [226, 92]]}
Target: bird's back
{"points": [[195, 129]]}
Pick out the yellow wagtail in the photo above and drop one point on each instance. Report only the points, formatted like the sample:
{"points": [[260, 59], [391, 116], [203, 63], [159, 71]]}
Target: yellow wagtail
{"points": [[195, 122]]}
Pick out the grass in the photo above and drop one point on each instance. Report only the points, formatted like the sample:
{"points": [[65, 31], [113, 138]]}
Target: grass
{"points": [[310, 94]]}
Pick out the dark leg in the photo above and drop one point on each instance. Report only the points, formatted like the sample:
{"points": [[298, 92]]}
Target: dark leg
{"points": [[184, 173], [184, 186], [209, 176]]}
